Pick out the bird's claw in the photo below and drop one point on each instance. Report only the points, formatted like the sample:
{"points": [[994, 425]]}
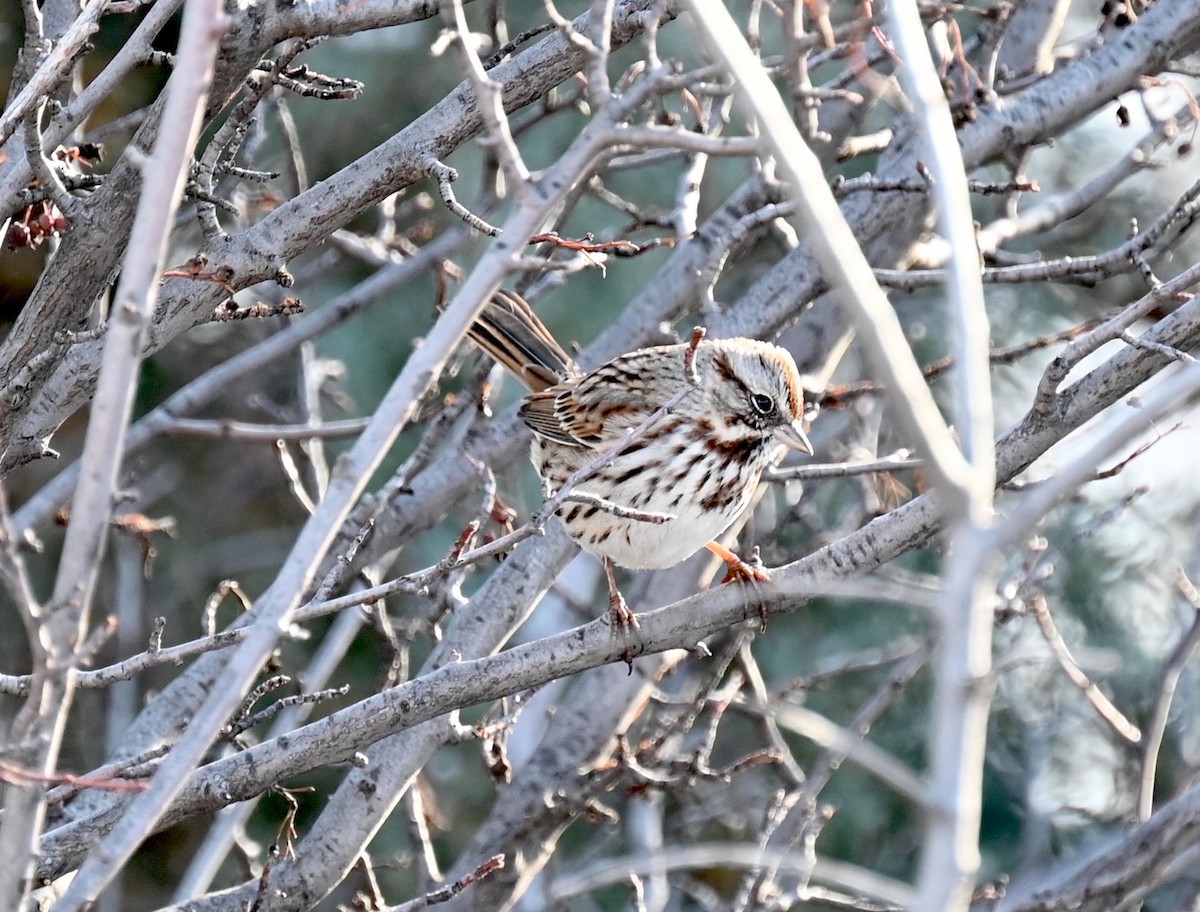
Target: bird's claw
{"points": [[740, 571], [620, 613]]}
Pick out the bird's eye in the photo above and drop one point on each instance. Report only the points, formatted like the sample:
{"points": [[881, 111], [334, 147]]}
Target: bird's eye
{"points": [[762, 403]]}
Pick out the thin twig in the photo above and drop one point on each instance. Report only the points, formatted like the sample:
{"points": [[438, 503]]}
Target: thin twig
{"points": [[1057, 210], [1084, 268], [442, 894], [54, 69], [489, 101], [216, 381], [1046, 396], [1164, 693], [226, 429], [1113, 717], [445, 176], [898, 463]]}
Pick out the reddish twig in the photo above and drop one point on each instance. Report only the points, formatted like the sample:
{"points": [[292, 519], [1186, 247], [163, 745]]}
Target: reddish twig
{"points": [[21, 776], [588, 244]]}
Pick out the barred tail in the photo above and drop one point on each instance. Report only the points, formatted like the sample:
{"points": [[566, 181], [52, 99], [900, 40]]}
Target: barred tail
{"points": [[511, 332]]}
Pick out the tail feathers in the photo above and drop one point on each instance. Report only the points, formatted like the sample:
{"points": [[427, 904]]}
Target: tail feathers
{"points": [[511, 332]]}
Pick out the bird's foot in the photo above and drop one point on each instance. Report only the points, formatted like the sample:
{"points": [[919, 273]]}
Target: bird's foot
{"points": [[620, 613], [738, 570]]}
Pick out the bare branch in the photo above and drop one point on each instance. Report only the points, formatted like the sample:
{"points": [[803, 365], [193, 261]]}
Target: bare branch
{"points": [[65, 627], [1168, 680], [1108, 712], [839, 252]]}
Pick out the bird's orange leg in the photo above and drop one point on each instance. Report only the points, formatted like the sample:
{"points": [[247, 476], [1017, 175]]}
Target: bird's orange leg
{"points": [[738, 569], [620, 612], [620, 615]]}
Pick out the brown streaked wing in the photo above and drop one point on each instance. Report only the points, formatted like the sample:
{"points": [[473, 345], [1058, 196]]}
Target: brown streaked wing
{"points": [[599, 407], [639, 381], [615, 397], [540, 411], [558, 414]]}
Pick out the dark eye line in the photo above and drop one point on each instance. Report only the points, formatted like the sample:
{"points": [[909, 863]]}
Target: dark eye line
{"points": [[727, 373], [760, 413]]}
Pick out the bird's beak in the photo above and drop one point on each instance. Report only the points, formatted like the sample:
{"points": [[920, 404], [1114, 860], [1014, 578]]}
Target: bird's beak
{"points": [[793, 436]]}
